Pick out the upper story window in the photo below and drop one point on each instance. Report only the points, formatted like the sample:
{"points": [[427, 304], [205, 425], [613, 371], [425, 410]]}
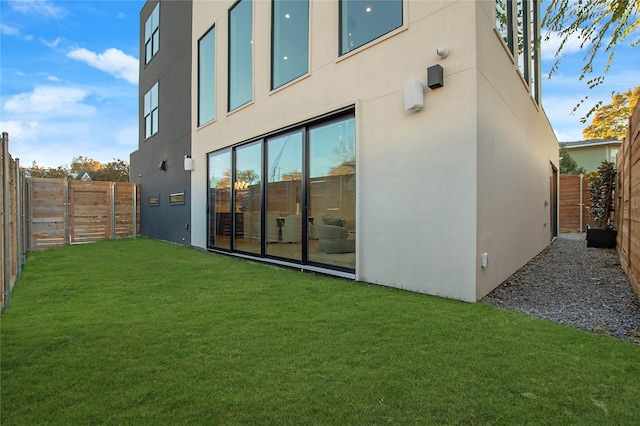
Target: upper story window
{"points": [[151, 112], [152, 34], [240, 54], [517, 23], [362, 21], [207, 77], [290, 41]]}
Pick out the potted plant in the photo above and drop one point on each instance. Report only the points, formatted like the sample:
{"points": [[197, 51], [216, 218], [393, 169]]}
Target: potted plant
{"points": [[602, 185]]}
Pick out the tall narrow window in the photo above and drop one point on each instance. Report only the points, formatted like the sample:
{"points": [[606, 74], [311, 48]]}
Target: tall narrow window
{"points": [[220, 200], [151, 111], [332, 193], [248, 197], [362, 21], [535, 50], [283, 221], [240, 54], [152, 34], [206, 78], [290, 41], [502, 19], [523, 37]]}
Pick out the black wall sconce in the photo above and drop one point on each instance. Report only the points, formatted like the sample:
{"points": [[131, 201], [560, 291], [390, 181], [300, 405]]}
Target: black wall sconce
{"points": [[435, 77], [163, 165]]}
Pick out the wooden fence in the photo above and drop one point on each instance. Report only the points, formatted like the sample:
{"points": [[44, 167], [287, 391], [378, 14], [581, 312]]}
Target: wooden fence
{"points": [[627, 217], [40, 213], [70, 212], [574, 200], [12, 235]]}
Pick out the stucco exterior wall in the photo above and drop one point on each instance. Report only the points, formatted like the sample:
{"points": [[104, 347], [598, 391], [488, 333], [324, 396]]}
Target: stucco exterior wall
{"points": [[423, 200], [516, 148]]}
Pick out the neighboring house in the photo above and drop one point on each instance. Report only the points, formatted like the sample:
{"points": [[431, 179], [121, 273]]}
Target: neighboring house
{"points": [[400, 143], [590, 153], [165, 121]]}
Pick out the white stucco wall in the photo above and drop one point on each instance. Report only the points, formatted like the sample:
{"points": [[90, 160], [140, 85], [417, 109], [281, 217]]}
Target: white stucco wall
{"points": [[426, 199], [516, 147]]}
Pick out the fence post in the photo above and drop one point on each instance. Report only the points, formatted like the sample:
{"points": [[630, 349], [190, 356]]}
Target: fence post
{"points": [[113, 210], [18, 191], [67, 237], [135, 211], [6, 226]]}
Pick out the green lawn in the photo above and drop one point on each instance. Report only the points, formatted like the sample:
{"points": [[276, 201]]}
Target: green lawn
{"points": [[143, 332]]}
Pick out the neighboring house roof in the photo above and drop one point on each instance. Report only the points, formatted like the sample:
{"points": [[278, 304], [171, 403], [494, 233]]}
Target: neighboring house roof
{"points": [[83, 175], [590, 142]]}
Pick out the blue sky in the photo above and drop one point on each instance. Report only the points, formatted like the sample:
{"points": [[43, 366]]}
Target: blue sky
{"points": [[69, 69]]}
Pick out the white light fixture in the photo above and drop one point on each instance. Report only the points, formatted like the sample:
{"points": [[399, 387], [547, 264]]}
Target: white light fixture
{"points": [[413, 95], [442, 52], [189, 164]]}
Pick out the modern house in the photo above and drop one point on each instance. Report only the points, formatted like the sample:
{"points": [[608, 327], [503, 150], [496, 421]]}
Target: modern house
{"points": [[399, 142], [590, 153]]}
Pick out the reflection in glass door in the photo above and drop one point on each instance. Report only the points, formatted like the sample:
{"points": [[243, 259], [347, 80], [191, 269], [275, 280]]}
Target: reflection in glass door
{"points": [[248, 198], [332, 193], [289, 197], [220, 200], [283, 219]]}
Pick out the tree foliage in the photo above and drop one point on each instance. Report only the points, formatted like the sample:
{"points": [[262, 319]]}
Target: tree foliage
{"points": [[603, 184], [114, 171], [610, 121], [601, 25], [568, 165]]}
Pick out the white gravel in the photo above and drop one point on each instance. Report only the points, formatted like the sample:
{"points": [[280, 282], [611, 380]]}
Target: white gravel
{"points": [[574, 285]]}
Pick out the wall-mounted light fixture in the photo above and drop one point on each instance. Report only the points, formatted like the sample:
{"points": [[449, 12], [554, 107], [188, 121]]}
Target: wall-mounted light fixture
{"points": [[413, 95], [435, 76], [163, 165], [442, 52], [189, 164]]}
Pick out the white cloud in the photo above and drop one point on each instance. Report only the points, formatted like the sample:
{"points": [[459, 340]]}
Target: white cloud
{"points": [[549, 46], [112, 61], [49, 99], [40, 7], [7, 30], [51, 44]]}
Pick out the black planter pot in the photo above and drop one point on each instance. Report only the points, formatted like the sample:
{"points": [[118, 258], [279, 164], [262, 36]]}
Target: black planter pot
{"points": [[601, 238]]}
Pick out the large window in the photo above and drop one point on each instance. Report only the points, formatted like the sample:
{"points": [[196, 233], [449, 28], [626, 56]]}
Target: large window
{"points": [[303, 211], [290, 41], [362, 21], [206, 78], [240, 54], [152, 34], [151, 111]]}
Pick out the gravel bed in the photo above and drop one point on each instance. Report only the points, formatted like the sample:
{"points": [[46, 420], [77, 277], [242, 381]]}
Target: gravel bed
{"points": [[574, 285]]}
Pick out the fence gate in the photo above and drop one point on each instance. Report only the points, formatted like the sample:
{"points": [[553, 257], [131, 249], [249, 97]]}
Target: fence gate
{"points": [[70, 212]]}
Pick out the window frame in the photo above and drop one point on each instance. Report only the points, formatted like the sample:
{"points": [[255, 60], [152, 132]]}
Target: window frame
{"points": [[152, 34], [210, 31], [377, 39], [153, 111], [272, 82], [231, 108]]}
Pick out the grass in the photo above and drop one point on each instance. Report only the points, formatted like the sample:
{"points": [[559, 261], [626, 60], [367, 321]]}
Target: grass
{"points": [[143, 332]]}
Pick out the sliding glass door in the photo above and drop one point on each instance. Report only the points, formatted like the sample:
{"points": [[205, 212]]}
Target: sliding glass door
{"points": [[283, 218], [332, 193], [303, 210]]}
